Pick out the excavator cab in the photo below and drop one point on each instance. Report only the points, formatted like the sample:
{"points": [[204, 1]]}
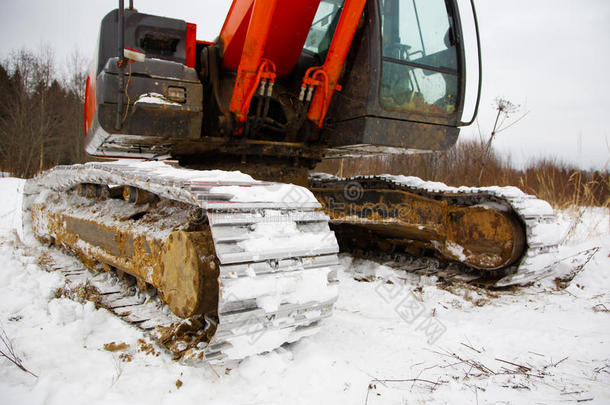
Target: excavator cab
{"points": [[284, 80], [404, 85]]}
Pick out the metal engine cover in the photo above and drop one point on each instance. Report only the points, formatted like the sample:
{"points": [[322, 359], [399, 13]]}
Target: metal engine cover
{"points": [[150, 112]]}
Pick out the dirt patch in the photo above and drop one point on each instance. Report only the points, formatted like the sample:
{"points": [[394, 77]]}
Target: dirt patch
{"points": [[147, 348], [125, 357], [45, 261], [80, 293], [183, 338], [116, 347], [478, 296]]}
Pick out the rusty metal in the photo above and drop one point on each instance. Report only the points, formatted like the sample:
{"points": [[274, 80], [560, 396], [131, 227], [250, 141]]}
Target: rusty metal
{"points": [[187, 248], [138, 196], [181, 267], [482, 237]]}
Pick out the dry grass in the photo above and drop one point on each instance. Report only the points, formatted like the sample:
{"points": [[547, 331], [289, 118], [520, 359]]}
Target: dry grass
{"points": [[561, 184]]}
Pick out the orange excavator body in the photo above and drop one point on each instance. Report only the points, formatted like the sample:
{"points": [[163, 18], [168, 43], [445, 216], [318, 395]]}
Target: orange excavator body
{"points": [[276, 30], [271, 80], [264, 39]]}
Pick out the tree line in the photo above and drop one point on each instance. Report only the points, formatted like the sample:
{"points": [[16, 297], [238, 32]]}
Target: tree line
{"points": [[41, 111]]}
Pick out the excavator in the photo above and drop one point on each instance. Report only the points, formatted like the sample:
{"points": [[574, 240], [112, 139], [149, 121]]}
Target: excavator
{"points": [[211, 208]]}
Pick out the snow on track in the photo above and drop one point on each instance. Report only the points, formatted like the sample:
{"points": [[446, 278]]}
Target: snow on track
{"points": [[254, 224], [560, 338]]}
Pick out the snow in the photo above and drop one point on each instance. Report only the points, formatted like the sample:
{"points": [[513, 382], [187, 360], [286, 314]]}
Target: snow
{"points": [[239, 186], [441, 343], [286, 192], [456, 250], [163, 169], [155, 98], [280, 232], [538, 207], [299, 287], [10, 204]]}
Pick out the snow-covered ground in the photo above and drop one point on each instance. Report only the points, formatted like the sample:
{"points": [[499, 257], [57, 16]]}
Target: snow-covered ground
{"points": [[398, 339]]}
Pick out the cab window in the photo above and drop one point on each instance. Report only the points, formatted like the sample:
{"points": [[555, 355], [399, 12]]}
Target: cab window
{"points": [[323, 27], [420, 69]]}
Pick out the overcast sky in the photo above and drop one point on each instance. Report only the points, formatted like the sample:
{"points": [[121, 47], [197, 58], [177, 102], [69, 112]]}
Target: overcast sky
{"points": [[550, 56]]}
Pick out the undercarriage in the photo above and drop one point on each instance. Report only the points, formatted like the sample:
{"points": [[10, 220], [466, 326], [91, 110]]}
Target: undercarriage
{"points": [[252, 263], [244, 266]]}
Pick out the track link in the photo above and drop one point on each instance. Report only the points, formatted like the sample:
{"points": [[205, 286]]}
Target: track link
{"points": [[536, 219], [274, 254]]}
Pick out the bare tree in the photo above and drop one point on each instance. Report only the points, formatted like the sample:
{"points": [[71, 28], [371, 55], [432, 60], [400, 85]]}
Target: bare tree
{"points": [[76, 74], [41, 114], [75, 83]]}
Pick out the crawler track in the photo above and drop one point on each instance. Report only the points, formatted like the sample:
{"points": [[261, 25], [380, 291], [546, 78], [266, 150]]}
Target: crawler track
{"points": [[266, 250], [352, 223], [261, 262]]}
